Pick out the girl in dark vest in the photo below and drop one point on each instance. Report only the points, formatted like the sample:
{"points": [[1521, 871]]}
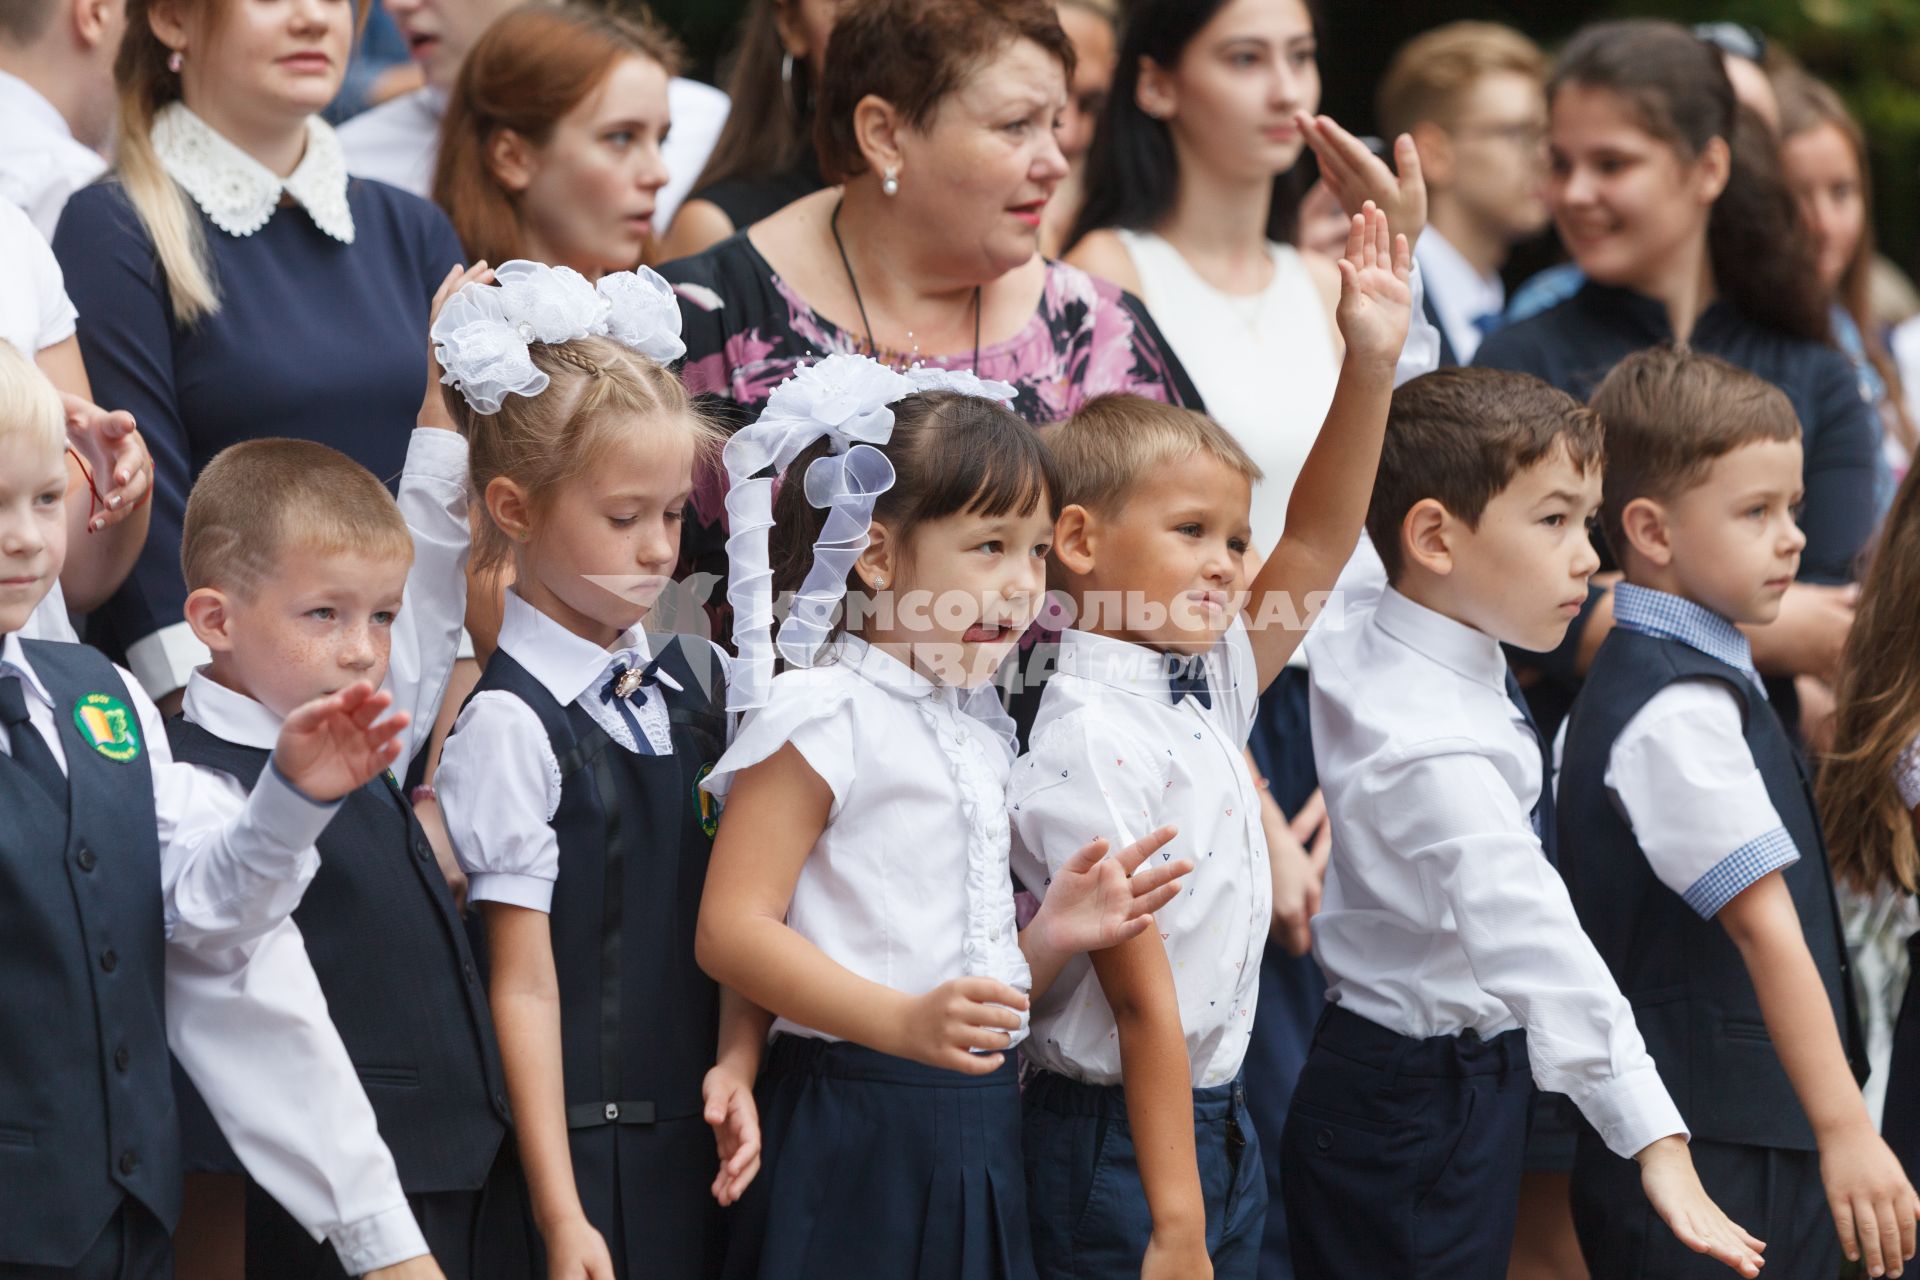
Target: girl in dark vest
{"points": [[1869, 793], [570, 782]]}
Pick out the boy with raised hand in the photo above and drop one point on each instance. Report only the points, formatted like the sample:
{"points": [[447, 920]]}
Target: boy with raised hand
{"points": [[1690, 844], [114, 862], [1455, 966]]}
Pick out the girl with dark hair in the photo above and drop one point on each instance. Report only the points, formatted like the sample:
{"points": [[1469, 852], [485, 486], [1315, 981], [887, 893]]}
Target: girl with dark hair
{"points": [[1670, 200], [1192, 193], [765, 159]]}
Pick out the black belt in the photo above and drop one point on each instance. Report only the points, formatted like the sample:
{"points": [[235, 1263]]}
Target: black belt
{"points": [[586, 1115]]}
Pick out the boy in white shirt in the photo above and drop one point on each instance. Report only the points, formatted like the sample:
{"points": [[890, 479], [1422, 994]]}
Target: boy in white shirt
{"points": [[1145, 725], [1455, 965], [1691, 848]]}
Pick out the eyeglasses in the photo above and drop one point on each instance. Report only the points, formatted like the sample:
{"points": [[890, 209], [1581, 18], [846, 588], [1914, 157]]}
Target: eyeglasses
{"points": [[1736, 38], [1529, 135]]}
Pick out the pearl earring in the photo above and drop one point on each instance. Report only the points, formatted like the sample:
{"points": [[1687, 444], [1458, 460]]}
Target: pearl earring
{"points": [[173, 62], [890, 185]]}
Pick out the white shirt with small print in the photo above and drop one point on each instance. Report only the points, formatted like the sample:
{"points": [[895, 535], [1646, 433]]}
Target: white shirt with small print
{"points": [[1113, 757], [1441, 913]]}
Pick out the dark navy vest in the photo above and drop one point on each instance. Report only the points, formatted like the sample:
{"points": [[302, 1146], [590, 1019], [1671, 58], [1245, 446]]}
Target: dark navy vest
{"points": [[86, 1101], [638, 1019], [394, 962], [1684, 977]]}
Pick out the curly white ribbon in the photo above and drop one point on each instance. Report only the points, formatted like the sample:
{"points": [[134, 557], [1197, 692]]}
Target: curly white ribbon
{"points": [[484, 335], [845, 398]]}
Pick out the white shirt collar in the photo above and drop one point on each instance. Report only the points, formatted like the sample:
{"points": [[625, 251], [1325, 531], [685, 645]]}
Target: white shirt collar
{"points": [[878, 667], [566, 665], [238, 193], [14, 659], [1454, 645], [1460, 293], [229, 714], [1121, 664]]}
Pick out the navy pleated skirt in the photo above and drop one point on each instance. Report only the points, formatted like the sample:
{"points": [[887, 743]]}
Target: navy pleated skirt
{"points": [[877, 1166]]}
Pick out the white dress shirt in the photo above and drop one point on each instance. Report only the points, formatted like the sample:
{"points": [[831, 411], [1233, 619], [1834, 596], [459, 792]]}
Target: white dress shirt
{"points": [[1460, 293], [1441, 914], [398, 142], [1112, 756], [302, 1126], [245, 1016], [41, 164], [907, 886], [35, 312], [499, 781]]}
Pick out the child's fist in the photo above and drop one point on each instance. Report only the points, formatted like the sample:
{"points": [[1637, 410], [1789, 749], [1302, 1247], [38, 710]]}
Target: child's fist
{"points": [[944, 1027]]}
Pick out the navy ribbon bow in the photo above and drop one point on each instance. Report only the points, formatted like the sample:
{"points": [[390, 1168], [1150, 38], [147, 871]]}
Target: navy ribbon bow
{"points": [[1187, 677]]}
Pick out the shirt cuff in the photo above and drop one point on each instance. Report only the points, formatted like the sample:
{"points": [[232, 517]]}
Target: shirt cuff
{"points": [[162, 661], [1633, 1111], [434, 454], [285, 821], [530, 892], [1733, 874], [387, 1237]]}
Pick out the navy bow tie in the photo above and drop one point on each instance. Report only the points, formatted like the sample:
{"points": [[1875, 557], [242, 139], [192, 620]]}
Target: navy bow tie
{"points": [[1188, 677]]}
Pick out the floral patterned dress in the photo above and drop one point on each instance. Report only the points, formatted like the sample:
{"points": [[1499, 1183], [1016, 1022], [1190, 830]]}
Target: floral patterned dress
{"points": [[746, 330]]}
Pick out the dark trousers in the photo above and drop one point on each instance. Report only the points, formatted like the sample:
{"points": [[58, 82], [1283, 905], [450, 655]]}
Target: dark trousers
{"points": [[1292, 990], [1084, 1194], [1401, 1157], [1776, 1195], [132, 1246], [474, 1235]]}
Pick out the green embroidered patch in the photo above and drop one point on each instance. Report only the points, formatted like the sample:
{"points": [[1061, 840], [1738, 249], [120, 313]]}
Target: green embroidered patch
{"points": [[709, 804], [108, 726]]}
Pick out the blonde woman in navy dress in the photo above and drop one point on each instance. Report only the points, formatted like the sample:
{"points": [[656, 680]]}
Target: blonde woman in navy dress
{"points": [[859, 888]]}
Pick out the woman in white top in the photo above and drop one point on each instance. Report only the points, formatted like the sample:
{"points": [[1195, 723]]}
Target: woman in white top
{"points": [[1191, 205]]}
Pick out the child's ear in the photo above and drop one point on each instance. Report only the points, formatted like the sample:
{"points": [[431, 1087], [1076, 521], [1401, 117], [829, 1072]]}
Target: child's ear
{"points": [[879, 561], [1074, 536], [210, 614], [511, 159], [509, 510], [1645, 523], [1425, 537]]}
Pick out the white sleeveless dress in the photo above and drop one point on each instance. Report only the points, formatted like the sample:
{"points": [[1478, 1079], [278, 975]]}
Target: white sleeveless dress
{"points": [[1264, 363]]}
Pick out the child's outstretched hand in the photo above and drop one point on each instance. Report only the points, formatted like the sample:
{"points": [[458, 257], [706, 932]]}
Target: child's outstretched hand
{"points": [[1376, 302], [575, 1251], [1873, 1204], [730, 1110], [333, 745], [1673, 1189], [1095, 902]]}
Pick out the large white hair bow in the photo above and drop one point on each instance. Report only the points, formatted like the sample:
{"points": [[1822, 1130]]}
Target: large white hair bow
{"points": [[484, 334], [844, 398]]}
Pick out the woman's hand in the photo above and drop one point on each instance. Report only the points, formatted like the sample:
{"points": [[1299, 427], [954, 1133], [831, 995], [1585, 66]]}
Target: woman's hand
{"points": [[335, 745], [119, 466], [735, 1120], [944, 1027], [433, 408], [1354, 175], [575, 1251], [1376, 302], [1095, 902]]}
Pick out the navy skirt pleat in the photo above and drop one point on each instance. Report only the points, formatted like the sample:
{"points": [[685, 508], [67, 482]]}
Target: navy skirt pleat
{"points": [[877, 1166]]}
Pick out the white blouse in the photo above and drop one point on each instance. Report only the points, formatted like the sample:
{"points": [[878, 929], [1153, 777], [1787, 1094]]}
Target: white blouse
{"points": [[908, 886]]}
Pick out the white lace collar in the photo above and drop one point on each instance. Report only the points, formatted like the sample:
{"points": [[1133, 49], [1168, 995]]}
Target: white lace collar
{"points": [[238, 193]]}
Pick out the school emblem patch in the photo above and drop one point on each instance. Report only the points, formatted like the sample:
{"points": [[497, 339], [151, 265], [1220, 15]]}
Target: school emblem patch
{"points": [[709, 804], [108, 727]]}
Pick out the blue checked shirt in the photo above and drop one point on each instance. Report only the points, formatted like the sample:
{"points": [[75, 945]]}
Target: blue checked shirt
{"points": [[1681, 772]]}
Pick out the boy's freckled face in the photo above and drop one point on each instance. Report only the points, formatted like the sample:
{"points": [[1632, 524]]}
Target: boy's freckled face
{"points": [[1176, 554], [33, 525], [1736, 546], [1521, 574], [318, 623]]}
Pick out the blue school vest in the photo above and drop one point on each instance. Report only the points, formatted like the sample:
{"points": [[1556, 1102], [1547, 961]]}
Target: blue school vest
{"points": [[392, 956], [86, 1101], [639, 1021], [1684, 977]]}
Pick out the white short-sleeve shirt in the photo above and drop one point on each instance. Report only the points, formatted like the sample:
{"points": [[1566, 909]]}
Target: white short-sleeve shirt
{"points": [[35, 312], [908, 884], [1113, 756]]}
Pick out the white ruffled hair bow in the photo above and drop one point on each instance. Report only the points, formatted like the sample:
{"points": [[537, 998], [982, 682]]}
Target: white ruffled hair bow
{"points": [[845, 398], [484, 334]]}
